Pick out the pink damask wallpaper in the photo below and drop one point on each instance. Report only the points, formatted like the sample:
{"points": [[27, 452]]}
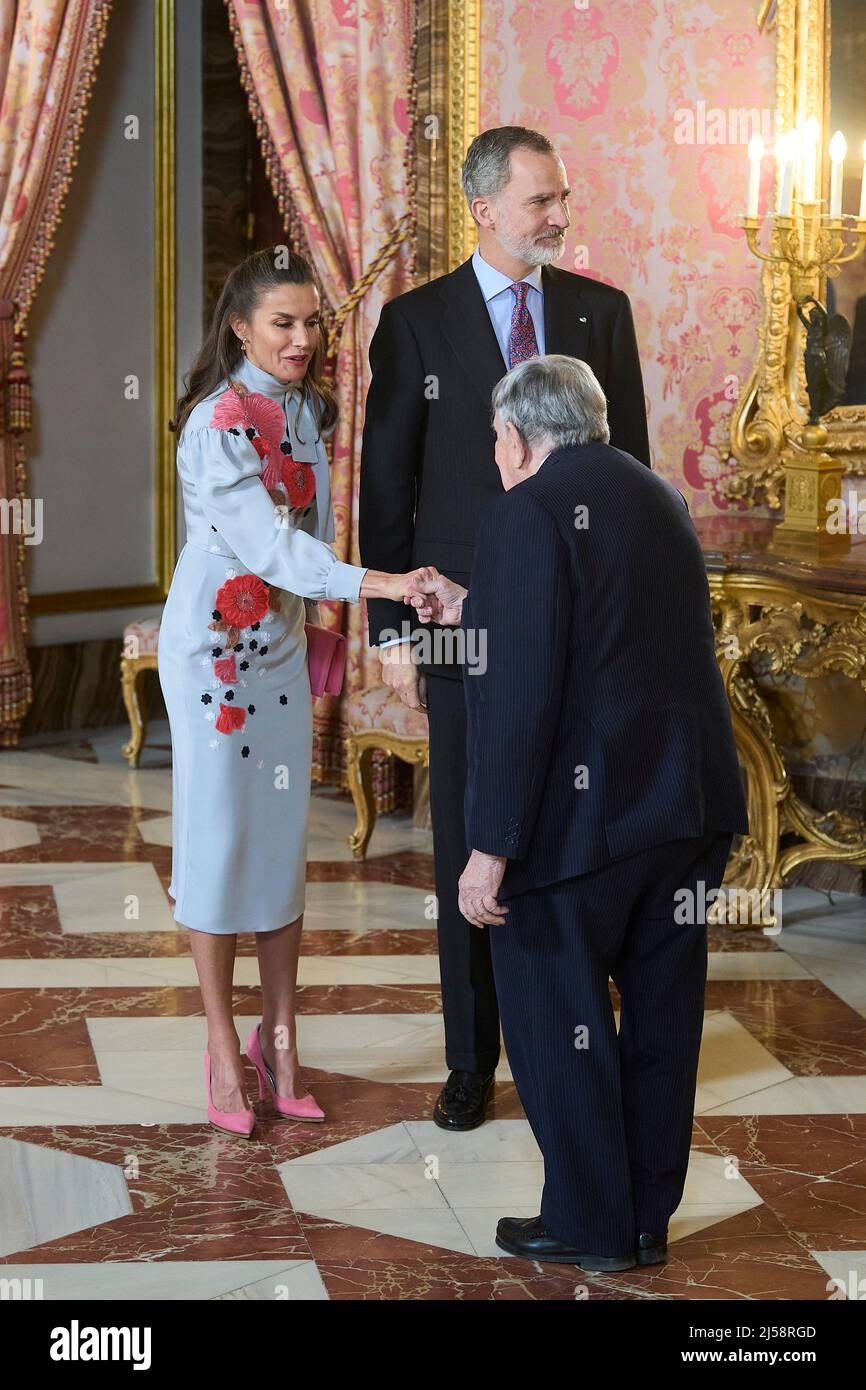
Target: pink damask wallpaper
{"points": [[650, 104]]}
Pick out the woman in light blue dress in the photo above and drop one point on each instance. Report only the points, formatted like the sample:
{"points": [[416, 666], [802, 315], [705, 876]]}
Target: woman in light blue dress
{"points": [[232, 657]]}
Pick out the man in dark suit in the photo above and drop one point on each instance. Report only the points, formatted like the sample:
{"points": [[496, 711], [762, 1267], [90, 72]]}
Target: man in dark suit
{"points": [[428, 477], [603, 794]]}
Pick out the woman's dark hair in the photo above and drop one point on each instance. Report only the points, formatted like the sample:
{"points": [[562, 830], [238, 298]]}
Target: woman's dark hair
{"points": [[221, 351]]}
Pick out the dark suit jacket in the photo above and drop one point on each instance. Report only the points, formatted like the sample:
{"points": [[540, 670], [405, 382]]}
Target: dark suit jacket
{"points": [[599, 655], [428, 473]]}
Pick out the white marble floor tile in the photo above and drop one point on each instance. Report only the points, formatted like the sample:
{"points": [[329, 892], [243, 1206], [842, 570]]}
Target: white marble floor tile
{"points": [[156, 830], [732, 1064], [372, 1182], [495, 1185], [393, 1144], [32, 771], [99, 897], [846, 1273], [46, 1194], [94, 1105], [15, 834], [332, 821], [172, 1280], [380, 1047], [359, 907], [754, 965], [800, 1095], [140, 972], [322, 1188]]}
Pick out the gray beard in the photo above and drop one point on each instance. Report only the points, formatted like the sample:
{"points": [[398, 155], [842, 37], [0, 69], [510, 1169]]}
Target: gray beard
{"points": [[533, 252]]}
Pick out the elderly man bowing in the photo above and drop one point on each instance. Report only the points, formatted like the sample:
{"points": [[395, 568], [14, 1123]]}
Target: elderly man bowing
{"points": [[603, 780]]}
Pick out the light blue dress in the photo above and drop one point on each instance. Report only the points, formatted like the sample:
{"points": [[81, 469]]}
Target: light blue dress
{"points": [[239, 702]]}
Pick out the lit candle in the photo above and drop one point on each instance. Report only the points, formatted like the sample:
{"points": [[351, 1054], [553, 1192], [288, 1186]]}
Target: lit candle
{"points": [[810, 158], [863, 185], [784, 174], [838, 150], [756, 154]]}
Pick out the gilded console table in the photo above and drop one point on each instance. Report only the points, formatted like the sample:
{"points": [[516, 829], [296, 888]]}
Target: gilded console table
{"points": [[795, 617]]}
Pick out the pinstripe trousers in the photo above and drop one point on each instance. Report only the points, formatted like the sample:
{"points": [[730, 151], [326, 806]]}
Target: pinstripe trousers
{"points": [[612, 1113]]}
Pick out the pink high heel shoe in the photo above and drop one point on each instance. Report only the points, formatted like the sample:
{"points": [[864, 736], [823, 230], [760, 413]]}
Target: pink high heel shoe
{"points": [[238, 1123], [304, 1109]]}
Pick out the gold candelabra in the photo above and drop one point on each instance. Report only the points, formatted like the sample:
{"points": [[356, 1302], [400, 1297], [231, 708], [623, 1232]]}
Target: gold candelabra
{"points": [[810, 243]]}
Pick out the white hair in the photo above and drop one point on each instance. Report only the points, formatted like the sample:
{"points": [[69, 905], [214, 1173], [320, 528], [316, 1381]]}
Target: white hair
{"points": [[554, 398]]}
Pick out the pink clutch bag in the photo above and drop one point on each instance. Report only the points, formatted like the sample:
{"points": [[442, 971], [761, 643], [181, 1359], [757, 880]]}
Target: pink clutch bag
{"points": [[326, 657]]}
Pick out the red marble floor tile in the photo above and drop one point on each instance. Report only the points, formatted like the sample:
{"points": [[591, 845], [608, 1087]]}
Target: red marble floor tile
{"points": [[407, 867], [197, 1195], [801, 1022], [85, 833], [740, 939], [372, 942]]}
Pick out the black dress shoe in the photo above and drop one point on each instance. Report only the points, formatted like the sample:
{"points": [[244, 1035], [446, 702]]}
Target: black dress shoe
{"points": [[462, 1101], [650, 1249], [528, 1237]]}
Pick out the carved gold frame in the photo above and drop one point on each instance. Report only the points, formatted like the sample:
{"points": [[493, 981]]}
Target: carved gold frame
{"points": [[448, 76], [773, 398], [165, 355]]}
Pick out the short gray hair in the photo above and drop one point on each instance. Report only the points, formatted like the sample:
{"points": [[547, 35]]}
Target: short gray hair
{"points": [[487, 166], [553, 397]]}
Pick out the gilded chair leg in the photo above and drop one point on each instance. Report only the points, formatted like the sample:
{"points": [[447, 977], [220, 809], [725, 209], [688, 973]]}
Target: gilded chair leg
{"points": [[130, 675], [358, 766]]}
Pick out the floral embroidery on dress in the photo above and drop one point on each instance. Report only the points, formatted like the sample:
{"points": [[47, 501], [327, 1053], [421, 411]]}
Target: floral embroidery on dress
{"points": [[231, 717], [264, 425]]}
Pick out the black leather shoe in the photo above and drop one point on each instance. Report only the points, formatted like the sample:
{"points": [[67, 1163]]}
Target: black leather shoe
{"points": [[462, 1102], [650, 1249], [528, 1237]]}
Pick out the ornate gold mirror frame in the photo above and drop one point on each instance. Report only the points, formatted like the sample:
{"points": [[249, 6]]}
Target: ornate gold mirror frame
{"points": [[774, 397], [448, 77]]}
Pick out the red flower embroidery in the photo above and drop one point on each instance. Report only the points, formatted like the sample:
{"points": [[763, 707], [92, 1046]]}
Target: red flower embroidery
{"points": [[238, 408], [300, 482], [243, 600], [231, 717], [225, 668]]}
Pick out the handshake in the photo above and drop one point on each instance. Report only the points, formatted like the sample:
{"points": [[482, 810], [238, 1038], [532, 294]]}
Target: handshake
{"points": [[435, 600]]}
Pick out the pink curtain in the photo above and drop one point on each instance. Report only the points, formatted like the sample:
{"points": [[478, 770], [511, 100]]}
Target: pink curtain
{"points": [[49, 50], [331, 88]]}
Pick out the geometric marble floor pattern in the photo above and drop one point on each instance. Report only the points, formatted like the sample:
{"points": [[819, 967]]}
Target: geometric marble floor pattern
{"points": [[112, 1186], [414, 1180]]}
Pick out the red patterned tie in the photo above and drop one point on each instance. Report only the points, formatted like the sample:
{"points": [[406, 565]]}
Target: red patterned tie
{"points": [[522, 342]]}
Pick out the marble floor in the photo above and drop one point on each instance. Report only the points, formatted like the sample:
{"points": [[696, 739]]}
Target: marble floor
{"points": [[113, 1186]]}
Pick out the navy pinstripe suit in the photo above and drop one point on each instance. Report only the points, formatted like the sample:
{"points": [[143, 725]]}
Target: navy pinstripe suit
{"points": [[602, 765]]}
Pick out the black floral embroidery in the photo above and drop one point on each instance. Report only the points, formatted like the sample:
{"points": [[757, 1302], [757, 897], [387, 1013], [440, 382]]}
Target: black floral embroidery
{"points": [[244, 666], [262, 650], [233, 430], [253, 645], [255, 626], [284, 699], [251, 709], [245, 751], [216, 615], [239, 646], [216, 651], [230, 695], [206, 699], [285, 447]]}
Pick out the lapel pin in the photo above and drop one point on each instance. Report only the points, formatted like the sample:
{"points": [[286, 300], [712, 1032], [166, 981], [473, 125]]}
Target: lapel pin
{"points": [[582, 319]]}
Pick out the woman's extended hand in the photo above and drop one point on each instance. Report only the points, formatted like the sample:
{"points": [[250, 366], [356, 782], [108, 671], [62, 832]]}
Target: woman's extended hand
{"points": [[435, 598]]}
